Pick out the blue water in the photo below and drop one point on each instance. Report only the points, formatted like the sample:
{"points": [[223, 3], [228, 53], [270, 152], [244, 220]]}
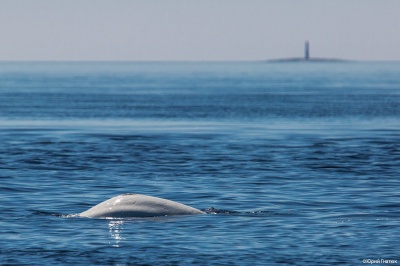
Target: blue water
{"points": [[302, 160]]}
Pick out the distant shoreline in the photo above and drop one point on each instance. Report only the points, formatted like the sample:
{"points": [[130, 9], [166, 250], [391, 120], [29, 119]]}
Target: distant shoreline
{"points": [[311, 60]]}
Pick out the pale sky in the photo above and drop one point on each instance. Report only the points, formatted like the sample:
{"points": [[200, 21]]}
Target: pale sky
{"points": [[198, 29]]}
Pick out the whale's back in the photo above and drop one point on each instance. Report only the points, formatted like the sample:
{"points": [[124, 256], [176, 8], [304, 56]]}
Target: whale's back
{"points": [[137, 205]]}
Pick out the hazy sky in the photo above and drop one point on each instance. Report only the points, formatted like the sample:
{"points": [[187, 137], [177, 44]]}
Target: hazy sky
{"points": [[198, 29]]}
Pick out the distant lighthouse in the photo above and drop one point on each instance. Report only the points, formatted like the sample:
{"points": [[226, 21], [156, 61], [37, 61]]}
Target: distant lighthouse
{"points": [[307, 51]]}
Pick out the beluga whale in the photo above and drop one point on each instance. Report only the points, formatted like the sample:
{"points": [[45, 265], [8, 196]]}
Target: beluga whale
{"points": [[138, 205]]}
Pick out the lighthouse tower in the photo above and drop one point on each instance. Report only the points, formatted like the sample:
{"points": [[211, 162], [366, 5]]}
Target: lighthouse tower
{"points": [[307, 51]]}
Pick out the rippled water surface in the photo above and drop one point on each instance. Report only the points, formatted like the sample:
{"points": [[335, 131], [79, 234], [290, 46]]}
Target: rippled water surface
{"points": [[300, 160]]}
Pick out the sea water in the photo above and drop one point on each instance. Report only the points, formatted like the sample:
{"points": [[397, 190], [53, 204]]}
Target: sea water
{"points": [[296, 163]]}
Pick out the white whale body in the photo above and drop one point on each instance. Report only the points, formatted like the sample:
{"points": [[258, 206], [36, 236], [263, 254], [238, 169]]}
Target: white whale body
{"points": [[137, 205]]}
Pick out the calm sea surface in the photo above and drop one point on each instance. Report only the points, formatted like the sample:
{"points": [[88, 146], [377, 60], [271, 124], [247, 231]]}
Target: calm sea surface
{"points": [[301, 160]]}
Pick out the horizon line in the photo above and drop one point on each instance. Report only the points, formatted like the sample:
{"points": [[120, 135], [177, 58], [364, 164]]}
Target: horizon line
{"points": [[288, 59]]}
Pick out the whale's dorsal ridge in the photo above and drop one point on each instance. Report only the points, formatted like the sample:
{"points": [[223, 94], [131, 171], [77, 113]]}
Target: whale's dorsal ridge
{"points": [[138, 205]]}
